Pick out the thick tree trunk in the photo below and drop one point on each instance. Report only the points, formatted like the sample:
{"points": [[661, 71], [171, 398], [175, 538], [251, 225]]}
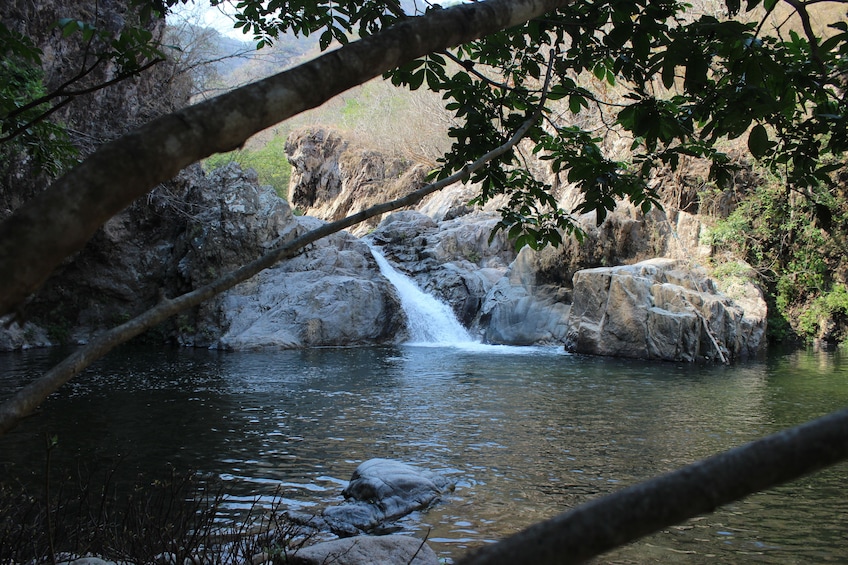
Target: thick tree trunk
{"points": [[59, 221]]}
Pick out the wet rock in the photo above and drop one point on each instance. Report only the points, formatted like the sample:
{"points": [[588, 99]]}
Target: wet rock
{"points": [[452, 260], [86, 561], [382, 491], [518, 310], [367, 550]]}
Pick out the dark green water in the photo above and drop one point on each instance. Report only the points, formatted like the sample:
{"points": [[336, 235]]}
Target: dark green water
{"points": [[526, 433]]}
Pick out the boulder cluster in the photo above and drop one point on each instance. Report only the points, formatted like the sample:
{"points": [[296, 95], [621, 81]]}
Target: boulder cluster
{"points": [[635, 287]]}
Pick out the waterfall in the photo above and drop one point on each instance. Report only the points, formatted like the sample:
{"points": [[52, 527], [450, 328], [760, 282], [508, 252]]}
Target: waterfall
{"points": [[430, 320]]}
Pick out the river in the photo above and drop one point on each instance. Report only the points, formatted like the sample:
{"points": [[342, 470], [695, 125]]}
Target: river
{"points": [[525, 433]]}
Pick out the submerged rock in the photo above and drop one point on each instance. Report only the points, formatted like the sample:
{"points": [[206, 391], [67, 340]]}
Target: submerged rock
{"points": [[661, 309], [367, 550]]}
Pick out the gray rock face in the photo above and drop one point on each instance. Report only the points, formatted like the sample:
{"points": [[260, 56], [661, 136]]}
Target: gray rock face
{"points": [[452, 260], [14, 337], [381, 491], [230, 220], [520, 311], [333, 294], [367, 550], [657, 309]]}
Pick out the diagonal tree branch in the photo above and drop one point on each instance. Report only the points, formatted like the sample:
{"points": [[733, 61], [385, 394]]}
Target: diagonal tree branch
{"points": [[25, 401], [629, 514], [59, 221], [69, 96]]}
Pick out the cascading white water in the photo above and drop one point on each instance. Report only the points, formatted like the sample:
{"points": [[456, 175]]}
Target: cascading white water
{"points": [[430, 320]]}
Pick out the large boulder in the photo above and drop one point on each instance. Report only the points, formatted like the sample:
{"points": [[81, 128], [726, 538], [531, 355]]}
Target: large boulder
{"points": [[331, 295], [662, 309], [519, 310], [367, 550]]}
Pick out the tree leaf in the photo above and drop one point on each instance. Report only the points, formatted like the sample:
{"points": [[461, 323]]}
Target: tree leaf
{"points": [[758, 141]]}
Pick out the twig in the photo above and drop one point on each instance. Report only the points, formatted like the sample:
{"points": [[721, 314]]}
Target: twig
{"points": [[706, 326]]}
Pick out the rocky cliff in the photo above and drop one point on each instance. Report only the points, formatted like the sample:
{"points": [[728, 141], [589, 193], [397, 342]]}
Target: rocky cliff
{"points": [[530, 297], [201, 226], [334, 176], [102, 113], [129, 262]]}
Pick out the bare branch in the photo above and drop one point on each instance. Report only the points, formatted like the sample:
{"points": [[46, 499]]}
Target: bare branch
{"points": [[28, 398]]}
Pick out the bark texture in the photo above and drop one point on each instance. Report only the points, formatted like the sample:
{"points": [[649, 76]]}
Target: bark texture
{"points": [[60, 220]]}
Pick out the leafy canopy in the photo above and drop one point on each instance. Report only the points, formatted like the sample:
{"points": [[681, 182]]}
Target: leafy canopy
{"points": [[685, 82], [682, 82]]}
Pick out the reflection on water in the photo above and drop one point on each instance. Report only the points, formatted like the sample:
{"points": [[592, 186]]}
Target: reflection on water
{"points": [[526, 433]]}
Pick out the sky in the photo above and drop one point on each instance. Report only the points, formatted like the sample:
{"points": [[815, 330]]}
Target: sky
{"points": [[201, 13]]}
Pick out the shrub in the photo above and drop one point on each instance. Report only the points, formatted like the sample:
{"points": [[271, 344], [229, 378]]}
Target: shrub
{"points": [[795, 240], [826, 316], [269, 161], [175, 518]]}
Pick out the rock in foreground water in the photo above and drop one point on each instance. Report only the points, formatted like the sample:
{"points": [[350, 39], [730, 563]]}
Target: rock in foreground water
{"points": [[367, 550], [381, 491]]}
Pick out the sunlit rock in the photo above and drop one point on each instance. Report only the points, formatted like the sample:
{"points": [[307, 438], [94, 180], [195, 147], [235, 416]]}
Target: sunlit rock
{"points": [[661, 309]]}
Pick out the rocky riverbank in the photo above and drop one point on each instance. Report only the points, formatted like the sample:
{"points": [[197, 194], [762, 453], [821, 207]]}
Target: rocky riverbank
{"points": [[333, 293]]}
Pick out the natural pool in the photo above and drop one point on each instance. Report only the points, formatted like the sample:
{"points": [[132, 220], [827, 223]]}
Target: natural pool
{"points": [[525, 432]]}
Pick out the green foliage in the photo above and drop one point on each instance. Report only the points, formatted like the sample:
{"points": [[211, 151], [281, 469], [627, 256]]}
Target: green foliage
{"points": [[335, 20], [688, 82], [825, 308], [797, 242], [131, 49], [269, 162], [684, 82], [59, 330], [21, 81]]}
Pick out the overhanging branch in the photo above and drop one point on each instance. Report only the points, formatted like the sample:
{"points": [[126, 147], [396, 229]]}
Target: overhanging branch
{"points": [[26, 400], [59, 221]]}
